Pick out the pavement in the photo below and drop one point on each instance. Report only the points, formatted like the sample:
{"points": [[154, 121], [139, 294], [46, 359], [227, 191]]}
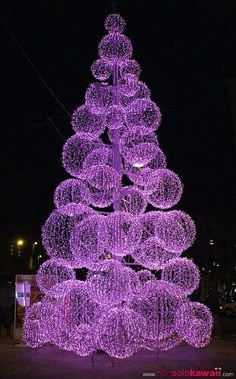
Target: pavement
{"points": [[18, 362]]}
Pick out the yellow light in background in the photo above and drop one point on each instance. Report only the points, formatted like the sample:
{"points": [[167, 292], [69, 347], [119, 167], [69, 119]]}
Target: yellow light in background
{"points": [[20, 243]]}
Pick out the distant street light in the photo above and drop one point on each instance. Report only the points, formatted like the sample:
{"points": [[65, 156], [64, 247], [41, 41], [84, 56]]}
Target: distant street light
{"points": [[31, 260], [19, 243]]}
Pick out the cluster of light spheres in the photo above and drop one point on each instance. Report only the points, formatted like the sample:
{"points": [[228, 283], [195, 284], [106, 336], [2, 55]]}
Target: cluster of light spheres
{"points": [[101, 224]]}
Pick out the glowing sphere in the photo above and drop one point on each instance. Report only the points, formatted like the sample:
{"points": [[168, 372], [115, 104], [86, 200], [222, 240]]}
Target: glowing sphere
{"points": [[142, 92], [114, 117], [112, 283], [183, 273], [119, 332], [119, 241], [75, 151], [143, 112], [100, 156], [84, 121], [115, 47], [52, 272], [132, 201], [103, 177], [144, 226], [56, 235], [175, 231], [151, 255], [169, 342], [129, 85], [138, 145], [144, 277], [98, 97], [144, 175], [114, 23], [101, 69], [88, 241], [71, 191], [82, 340], [193, 323], [78, 307], [76, 210], [165, 189], [101, 198], [130, 66], [158, 307]]}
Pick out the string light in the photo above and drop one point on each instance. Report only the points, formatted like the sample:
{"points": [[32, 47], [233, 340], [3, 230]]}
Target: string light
{"points": [[71, 191], [101, 69], [143, 112], [115, 47], [84, 121], [114, 23]]}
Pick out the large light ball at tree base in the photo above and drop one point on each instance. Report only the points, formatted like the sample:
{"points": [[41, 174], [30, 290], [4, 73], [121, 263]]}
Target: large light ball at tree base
{"points": [[112, 283], [166, 189], [158, 307], [77, 306], [114, 23], [88, 241], [101, 69], [183, 273], [71, 191], [84, 121], [119, 332], [98, 97], [129, 66], [143, 112], [115, 47], [82, 340], [114, 117], [52, 272], [56, 235], [132, 201], [193, 323], [75, 150], [175, 231], [119, 239], [151, 255]]}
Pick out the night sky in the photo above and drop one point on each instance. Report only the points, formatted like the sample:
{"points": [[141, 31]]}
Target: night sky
{"points": [[186, 50]]}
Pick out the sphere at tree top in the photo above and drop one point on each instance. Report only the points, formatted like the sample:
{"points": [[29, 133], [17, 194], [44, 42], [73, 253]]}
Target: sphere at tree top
{"points": [[114, 23]]}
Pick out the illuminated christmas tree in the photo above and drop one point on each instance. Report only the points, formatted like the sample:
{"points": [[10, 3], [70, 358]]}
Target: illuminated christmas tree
{"points": [[98, 222]]}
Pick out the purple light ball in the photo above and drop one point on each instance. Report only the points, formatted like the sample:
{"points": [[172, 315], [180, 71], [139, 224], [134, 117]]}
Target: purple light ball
{"points": [[158, 307], [165, 189], [183, 273], [84, 121], [101, 69], [114, 23], [143, 92], [74, 153], [71, 191], [175, 231], [144, 113], [129, 85], [98, 97], [88, 241], [114, 117], [119, 241], [82, 340], [52, 272], [193, 323], [130, 66], [101, 156], [119, 332], [112, 283], [151, 255], [132, 201], [103, 177], [56, 235], [115, 47]]}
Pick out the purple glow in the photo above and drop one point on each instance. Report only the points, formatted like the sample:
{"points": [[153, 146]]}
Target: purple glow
{"points": [[116, 308]]}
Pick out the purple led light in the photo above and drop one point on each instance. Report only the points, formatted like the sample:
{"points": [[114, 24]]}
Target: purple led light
{"points": [[114, 23], [115, 47], [84, 121], [143, 112]]}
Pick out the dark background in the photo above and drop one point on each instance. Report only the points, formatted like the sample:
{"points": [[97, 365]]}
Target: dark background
{"points": [[186, 50]]}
